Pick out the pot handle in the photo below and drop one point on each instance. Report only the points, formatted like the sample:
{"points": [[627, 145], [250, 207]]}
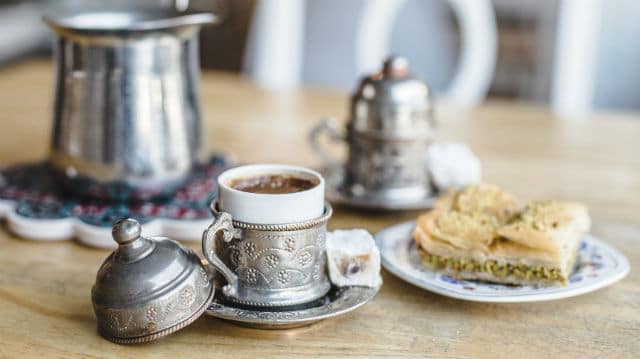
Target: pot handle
{"points": [[326, 125], [223, 224]]}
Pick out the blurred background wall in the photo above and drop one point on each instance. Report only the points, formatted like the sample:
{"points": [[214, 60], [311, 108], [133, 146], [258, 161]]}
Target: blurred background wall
{"points": [[573, 55]]}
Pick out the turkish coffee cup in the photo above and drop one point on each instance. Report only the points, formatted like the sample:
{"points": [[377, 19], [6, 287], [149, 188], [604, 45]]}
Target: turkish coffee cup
{"points": [[267, 238]]}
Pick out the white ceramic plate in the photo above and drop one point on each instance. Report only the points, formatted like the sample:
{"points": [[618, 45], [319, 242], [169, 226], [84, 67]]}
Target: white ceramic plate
{"points": [[598, 265]]}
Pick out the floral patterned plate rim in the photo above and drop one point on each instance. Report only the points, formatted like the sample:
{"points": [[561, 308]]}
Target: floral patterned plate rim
{"points": [[598, 265], [36, 207], [338, 301]]}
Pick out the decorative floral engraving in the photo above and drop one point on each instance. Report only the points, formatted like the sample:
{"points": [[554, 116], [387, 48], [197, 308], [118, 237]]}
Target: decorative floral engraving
{"points": [[259, 255], [251, 276], [137, 322], [272, 260], [152, 313], [150, 327], [250, 248], [236, 257], [304, 259], [289, 244], [116, 321], [283, 276], [187, 296]]}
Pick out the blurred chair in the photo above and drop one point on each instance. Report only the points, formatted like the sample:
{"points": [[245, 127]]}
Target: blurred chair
{"points": [[597, 57], [575, 62], [332, 43]]}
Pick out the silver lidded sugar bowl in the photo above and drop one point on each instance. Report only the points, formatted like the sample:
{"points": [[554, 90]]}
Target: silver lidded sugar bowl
{"points": [[148, 287], [390, 128]]}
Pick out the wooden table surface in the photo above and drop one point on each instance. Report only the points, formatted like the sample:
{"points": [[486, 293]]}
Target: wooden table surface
{"points": [[45, 306]]}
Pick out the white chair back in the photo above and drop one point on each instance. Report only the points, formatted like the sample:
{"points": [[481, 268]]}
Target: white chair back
{"points": [[276, 44]]}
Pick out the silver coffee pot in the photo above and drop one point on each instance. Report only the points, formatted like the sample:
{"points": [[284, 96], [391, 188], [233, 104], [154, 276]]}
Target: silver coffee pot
{"points": [[390, 128], [127, 115]]}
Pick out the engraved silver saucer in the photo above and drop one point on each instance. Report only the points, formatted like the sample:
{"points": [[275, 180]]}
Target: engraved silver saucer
{"points": [[337, 302], [334, 177]]}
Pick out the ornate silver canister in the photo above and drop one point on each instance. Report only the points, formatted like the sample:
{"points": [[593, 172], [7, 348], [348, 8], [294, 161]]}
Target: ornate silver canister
{"points": [[390, 128], [148, 287], [127, 106]]}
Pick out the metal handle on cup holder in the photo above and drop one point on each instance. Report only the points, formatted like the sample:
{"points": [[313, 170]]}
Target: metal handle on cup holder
{"points": [[327, 125], [222, 224]]}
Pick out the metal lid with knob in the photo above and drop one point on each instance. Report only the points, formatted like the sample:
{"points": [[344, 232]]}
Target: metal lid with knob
{"points": [[148, 287], [392, 103]]}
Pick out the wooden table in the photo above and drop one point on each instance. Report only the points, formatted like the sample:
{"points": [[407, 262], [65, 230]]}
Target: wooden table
{"points": [[45, 306]]}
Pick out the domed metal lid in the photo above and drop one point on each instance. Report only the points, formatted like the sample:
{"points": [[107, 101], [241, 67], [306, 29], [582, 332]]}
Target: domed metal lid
{"points": [[392, 101], [148, 287]]}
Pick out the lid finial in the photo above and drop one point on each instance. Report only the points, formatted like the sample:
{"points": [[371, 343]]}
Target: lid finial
{"points": [[126, 230], [396, 66]]}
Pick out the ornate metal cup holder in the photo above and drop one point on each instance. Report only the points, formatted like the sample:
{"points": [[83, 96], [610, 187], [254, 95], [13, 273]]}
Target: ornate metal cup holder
{"points": [[269, 265]]}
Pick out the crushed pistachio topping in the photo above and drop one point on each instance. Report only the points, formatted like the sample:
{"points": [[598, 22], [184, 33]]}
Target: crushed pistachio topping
{"points": [[539, 216], [473, 223], [485, 198], [500, 270]]}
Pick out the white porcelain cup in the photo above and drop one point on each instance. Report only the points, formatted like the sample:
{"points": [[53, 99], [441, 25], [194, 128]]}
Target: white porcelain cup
{"points": [[267, 208]]}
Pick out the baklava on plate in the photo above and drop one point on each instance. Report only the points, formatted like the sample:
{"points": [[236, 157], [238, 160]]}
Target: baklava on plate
{"points": [[481, 244], [481, 233]]}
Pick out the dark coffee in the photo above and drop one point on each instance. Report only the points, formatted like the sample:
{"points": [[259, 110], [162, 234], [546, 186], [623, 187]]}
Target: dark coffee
{"points": [[273, 184]]}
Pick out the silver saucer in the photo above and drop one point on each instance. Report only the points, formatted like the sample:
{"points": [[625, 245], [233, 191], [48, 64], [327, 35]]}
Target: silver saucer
{"points": [[335, 195], [337, 302]]}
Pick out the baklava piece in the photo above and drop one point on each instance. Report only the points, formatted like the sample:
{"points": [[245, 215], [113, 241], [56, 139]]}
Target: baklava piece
{"points": [[479, 233]]}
